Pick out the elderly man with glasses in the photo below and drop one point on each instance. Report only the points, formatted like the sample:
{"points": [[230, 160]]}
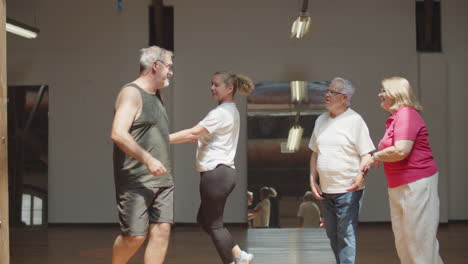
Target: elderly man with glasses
{"points": [[142, 169], [341, 148]]}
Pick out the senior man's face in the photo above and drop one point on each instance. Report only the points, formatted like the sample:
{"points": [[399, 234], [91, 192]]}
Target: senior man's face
{"points": [[334, 95], [165, 70]]}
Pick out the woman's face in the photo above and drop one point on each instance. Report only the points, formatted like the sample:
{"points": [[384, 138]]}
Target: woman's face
{"points": [[385, 101], [219, 90]]}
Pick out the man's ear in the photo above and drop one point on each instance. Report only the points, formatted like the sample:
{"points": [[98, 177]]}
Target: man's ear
{"points": [[154, 66]]}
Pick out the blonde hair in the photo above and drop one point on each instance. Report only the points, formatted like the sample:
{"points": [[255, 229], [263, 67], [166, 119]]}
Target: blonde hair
{"points": [[268, 192], [399, 89], [240, 82]]}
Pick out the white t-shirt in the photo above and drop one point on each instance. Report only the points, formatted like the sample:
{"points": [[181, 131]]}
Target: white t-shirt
{"points": [[311, 214], [263, 218], [218, 147], [339, 142]]}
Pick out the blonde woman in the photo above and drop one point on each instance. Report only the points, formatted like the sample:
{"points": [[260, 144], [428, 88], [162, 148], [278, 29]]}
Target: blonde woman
{"points": [[217, 135], [261, 213], [412, 174]]}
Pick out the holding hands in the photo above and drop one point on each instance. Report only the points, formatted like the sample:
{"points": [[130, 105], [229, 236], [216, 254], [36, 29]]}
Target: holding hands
{"points": [[366, 163]]}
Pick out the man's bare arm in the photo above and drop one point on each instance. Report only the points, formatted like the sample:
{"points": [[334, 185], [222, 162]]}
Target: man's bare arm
{"points": [[127, 108]]}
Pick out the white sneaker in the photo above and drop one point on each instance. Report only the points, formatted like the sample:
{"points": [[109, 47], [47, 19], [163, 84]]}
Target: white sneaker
{"points": [[244, 258]]}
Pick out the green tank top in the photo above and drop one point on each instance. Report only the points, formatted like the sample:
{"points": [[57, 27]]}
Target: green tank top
{"points": [[151, 131]]}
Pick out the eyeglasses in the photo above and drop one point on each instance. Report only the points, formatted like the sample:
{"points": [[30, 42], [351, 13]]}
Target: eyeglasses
{"points": [[333, 92], [169, 67]]}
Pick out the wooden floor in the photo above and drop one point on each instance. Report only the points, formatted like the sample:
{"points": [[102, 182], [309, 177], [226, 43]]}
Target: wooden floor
{"points": [[92, 245], [290, 245]]}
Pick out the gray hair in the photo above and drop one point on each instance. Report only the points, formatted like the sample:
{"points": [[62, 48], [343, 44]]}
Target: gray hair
{"points": [[151, 54], [347, 88]]}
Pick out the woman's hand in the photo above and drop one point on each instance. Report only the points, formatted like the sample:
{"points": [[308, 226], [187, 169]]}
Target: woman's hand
{"points": [[376, 164], [250, 216], [366, 163]]}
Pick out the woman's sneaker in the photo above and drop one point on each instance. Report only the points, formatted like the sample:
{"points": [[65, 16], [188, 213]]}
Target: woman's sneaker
{"points": [[244, 258]]}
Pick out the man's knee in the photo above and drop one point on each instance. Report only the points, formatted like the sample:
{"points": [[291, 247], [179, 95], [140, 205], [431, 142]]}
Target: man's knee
{"points": [[160, 229], [133, 241]]}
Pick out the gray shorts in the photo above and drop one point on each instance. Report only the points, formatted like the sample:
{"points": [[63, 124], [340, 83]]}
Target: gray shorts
{"points": [[138, 208]]}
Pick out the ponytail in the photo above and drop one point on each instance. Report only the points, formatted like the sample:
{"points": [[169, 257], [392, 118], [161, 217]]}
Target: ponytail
{"points": [[240, 82], [243, 84], [268, 192]]}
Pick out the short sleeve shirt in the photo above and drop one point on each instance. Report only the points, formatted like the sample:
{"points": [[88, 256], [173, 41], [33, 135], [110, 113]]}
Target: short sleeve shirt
{"points": [[263, 219], [219, 146], [408, 124], [339, 142]]}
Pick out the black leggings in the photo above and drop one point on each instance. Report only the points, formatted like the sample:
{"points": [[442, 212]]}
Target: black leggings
{"points": [[215, 187]]}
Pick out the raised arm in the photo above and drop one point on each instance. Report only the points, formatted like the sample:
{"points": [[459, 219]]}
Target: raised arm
{"points": [[127, 109], [187, 135]]}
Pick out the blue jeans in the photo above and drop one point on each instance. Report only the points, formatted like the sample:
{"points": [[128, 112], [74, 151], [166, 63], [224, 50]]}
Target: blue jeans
{"points": [[341, 212]]}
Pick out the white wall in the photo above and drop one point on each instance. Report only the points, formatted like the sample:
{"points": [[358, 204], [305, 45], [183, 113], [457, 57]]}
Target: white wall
{"points": [[433, 76], [87, 50], [454, 45]]}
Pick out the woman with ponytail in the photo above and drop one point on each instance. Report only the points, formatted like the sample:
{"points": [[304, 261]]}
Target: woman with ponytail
{"points": [[217, 135], [261, 213]]}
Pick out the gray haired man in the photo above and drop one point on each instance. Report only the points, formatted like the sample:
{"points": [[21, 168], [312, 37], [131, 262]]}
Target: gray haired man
{"points": [[341, 145], [142, 169]]}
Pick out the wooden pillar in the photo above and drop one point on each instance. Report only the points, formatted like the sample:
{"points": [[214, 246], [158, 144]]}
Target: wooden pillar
{"points": [[4, 230]]}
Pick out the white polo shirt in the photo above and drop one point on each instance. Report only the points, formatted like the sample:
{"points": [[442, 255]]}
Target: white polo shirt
{"points": [[219, 147], [339, 142]]}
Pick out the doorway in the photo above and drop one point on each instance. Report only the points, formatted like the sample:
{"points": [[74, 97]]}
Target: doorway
{"points": [[28, 130]]}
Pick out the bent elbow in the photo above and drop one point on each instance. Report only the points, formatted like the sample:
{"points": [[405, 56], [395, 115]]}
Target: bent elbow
{"points": [[402, 154], [115, 136]]}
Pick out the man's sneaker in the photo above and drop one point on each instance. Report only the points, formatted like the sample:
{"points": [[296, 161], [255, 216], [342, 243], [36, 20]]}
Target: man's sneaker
{"points": [[244, 258]]}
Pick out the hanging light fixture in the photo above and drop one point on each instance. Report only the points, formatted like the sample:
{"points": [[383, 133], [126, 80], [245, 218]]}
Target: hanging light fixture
{"points": [[298, 91], [301, 25], [21, 29], [294, 138], [295, 135]]}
